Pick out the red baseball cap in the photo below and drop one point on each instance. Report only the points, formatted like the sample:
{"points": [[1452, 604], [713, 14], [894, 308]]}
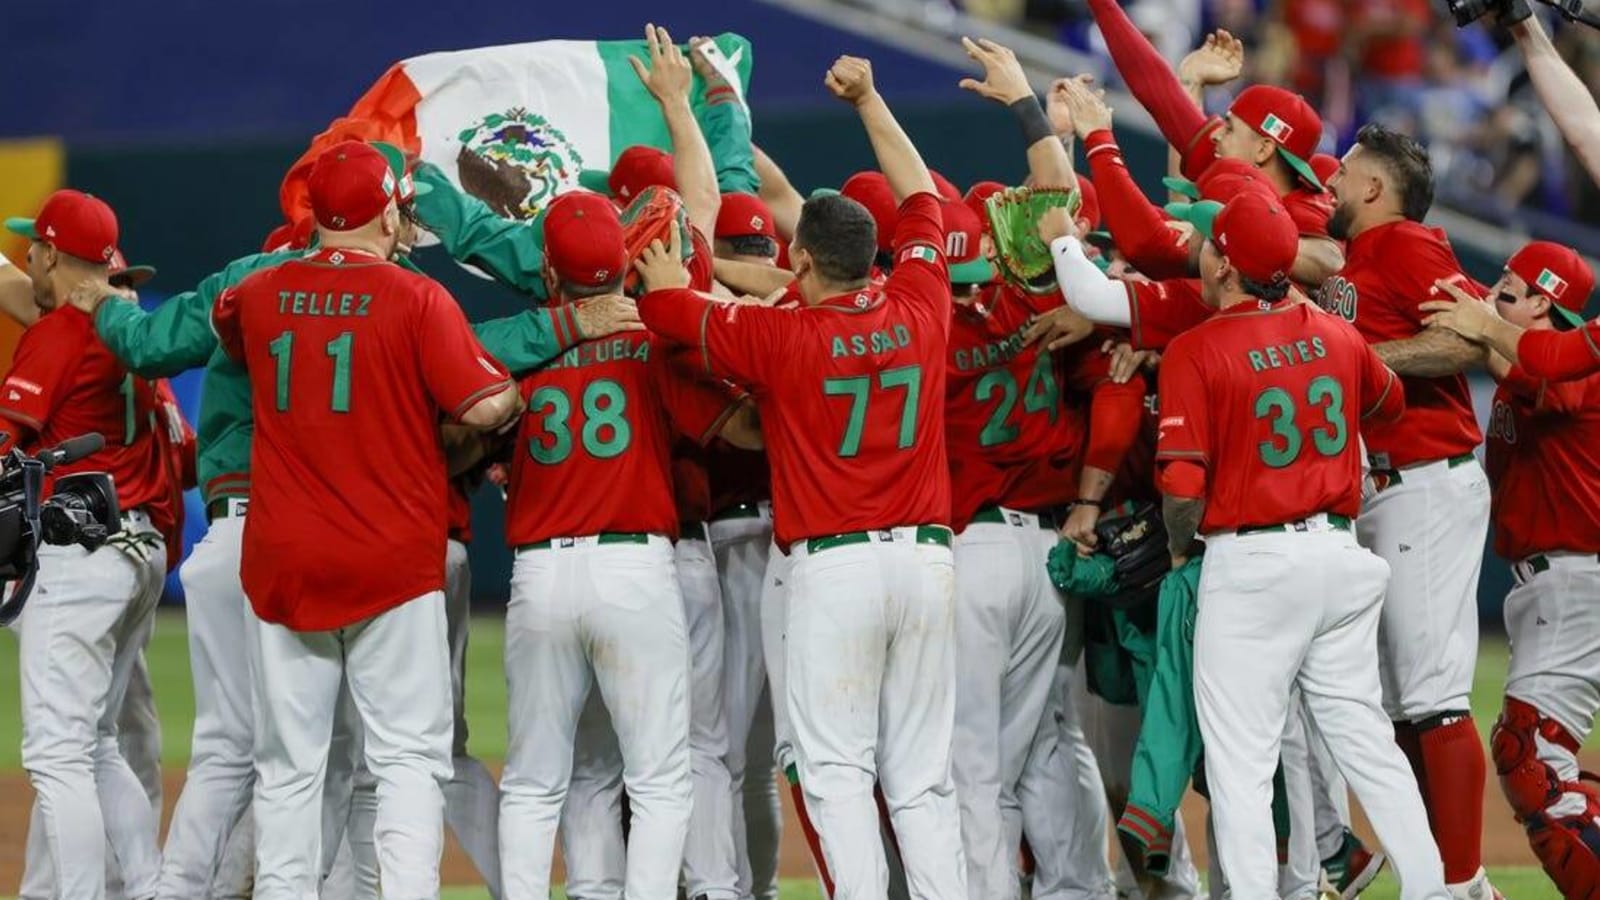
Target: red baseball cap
{"points": [[1253, 231], [77, 224], [583, 242], [636, 168], [744, 214], [350, 185], [946, 188], [1221, 181], [1089, 202], [123, 275], [963, 245], [1558, 273], [871, 189], [1286, 119], [1325, 166], [979, 194]]}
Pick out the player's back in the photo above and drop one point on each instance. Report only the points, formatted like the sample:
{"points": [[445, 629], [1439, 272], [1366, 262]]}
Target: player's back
{"points": [[593, 450], [1286, 386], [349, 488]]}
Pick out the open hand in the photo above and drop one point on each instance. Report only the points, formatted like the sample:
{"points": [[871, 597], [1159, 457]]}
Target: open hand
{"points": [[1003, 79], [660, 267], [605, 315], [1463, 313], [669, 74], [1086, 105], [850, 79], [1217, 61], [1056, 108], [1060, 327]]}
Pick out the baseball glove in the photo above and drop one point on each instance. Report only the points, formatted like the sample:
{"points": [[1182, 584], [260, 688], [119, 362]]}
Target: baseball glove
{"points": [[651, 217], [1137, 545], [1013, 219]]}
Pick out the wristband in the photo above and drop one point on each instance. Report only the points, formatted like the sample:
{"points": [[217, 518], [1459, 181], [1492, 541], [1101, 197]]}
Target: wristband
{"points": [[1081, 501], [1035, 127]]}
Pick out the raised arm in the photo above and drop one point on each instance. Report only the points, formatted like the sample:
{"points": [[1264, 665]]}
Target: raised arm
{"points": [[1004, 82], [16, 295], [726, 123], [850, 79], [1085, 288], [509, 250], [1562, 92], [668, 78], [779, 194]]}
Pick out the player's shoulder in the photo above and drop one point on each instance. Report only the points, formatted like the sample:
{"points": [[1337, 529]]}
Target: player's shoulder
{"points": [[58, 328]]}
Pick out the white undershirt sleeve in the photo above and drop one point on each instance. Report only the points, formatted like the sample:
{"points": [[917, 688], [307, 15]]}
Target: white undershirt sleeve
{"points": [[1101, 300]]}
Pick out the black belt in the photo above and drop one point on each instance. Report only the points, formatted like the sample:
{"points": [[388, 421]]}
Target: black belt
{"points": [[1392, 477], [225, 507], [738, 511], [692, 531]]}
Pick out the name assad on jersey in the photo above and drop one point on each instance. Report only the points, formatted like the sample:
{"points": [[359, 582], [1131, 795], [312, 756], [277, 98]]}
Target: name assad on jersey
{"points": [[352, 360]]}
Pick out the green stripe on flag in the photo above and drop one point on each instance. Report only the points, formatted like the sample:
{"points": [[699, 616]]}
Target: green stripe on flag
{"points": [[635, 118]]}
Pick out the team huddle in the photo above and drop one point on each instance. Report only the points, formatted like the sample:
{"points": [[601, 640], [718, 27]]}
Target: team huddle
{"points": [[984, 530]]}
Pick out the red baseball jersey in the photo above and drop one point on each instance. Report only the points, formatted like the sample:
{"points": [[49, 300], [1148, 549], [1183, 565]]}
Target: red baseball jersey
{"points": [[1544, 463], [593, 453], [691, 482], [1310, 209], [851, 390], [1269, 397], [1388, 272], [1159, 311], [65, 382], [178, 447], [352, 361]]}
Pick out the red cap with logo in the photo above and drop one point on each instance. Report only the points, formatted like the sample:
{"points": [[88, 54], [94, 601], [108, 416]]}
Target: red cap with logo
{"points": [[1559, 273], [871, 189], [979, 194], [963, 245], [745, 214], [636, 168], [583, 241], [74, 223], [1254, 232], [350, 185], [1286, 119]]}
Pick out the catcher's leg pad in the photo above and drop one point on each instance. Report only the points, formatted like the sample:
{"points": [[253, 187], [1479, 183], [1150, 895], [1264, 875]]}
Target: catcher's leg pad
{"points": [[1562, 817]]}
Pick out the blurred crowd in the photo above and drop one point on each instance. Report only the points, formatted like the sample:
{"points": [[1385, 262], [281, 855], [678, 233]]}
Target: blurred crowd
{"points": [[1399, 62]]}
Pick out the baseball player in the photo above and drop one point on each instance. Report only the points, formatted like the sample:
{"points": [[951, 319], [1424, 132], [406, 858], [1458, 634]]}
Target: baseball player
{"points": [[1256, 454], [337, 610], [593, 603], [861, 499], [1431, 509], [1541, 457], [90, 614], [1541, 353]]}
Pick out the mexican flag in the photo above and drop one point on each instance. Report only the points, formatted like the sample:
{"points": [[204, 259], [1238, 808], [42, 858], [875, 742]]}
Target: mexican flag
{"points": [[512, 125]]}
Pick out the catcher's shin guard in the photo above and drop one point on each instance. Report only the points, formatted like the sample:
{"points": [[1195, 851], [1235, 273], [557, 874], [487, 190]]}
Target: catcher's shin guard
{"points": [[1562, 817]]}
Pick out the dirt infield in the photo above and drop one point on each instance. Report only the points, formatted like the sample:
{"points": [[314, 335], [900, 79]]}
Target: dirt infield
{"points": [[1503, 840]]}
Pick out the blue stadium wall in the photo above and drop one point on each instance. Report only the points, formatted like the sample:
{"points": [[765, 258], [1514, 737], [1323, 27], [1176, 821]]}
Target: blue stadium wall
{"points": [[185, 114]]}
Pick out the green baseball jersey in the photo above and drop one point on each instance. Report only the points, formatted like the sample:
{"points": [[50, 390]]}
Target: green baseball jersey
{"points": [[512, 251], [177, 336]]}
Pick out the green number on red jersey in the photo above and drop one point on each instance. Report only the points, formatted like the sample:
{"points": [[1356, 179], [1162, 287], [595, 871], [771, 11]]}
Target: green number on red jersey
{"points": [[341, 348], [605, 434], [1324, 393], [859, 387], [1040, 395]]}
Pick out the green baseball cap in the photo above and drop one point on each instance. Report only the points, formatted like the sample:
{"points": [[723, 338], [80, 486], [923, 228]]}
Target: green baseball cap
{"points": [[1199, 213], [1182, 187]]}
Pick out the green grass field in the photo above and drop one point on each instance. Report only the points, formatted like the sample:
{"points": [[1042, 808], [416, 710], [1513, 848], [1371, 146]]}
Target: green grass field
{"points": [[486, 703]]}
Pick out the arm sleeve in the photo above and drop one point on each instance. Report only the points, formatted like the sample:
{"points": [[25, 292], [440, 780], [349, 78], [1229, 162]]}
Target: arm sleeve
{"points": [[530, 338], [1149, 77], [732, 340], [1115, 413], [1383, 397], [1561, 355], [455, 367], [511, 252], [726, 124], [1138, 227], [1185, 423], [225, 324], [176, 336], [1088, 290], [921, 274], [701, 263], [1183, 478], [38, 380]]}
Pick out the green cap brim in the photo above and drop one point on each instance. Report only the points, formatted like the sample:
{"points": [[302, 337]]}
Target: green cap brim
{"points": [[1302, 168], [1182, 186], [1200, 214], [1564, 319], [823, 192], [597, 180], [396, 158], [977, 271], [132, 276], [23, 227]]}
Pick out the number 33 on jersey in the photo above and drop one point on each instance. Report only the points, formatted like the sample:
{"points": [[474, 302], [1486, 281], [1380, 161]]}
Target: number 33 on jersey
{"points": [[1268, 396]]}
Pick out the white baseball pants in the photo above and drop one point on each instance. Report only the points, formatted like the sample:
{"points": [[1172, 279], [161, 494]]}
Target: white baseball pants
{"points": [[1553, 618], [1009, 624], [871, 696], [1276, 610], [709, 867], [80, 634], [608, 615], [397, 664], [592, 845], [1429, 527]]}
